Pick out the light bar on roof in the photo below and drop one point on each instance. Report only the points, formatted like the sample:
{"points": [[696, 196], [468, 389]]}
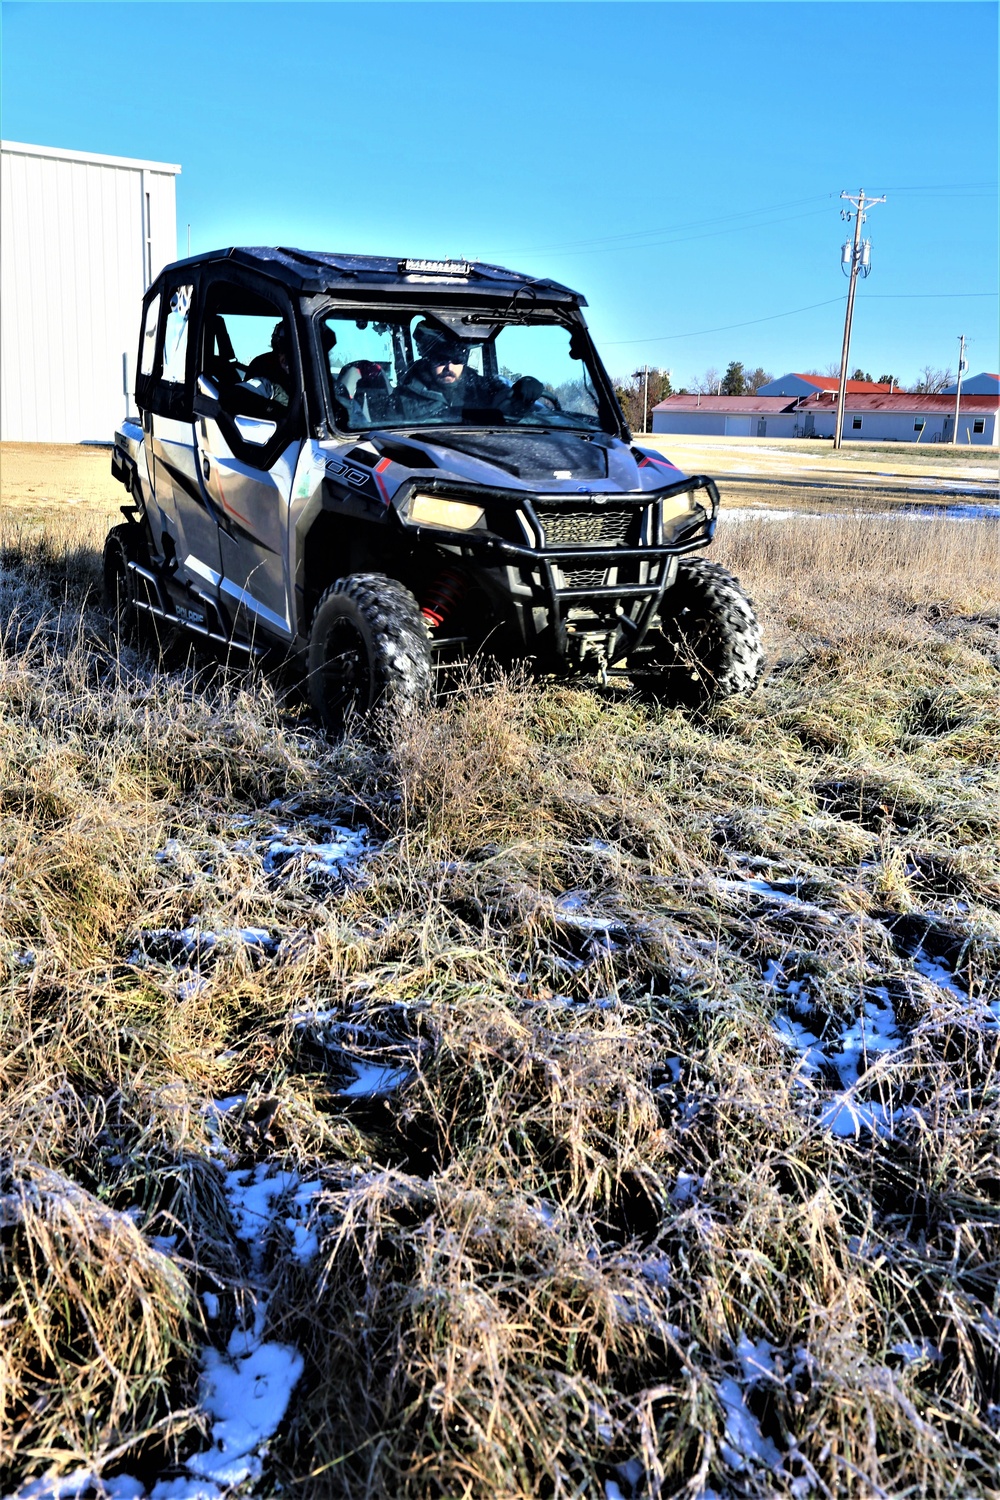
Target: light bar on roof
{"points": [[439, 267]]}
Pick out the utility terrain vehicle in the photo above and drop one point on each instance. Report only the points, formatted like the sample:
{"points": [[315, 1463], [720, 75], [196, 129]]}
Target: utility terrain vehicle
{"points": [[385, 466]]}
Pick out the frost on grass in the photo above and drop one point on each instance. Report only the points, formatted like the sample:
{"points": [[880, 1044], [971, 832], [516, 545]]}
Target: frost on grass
{"points": [[600, 1063]]}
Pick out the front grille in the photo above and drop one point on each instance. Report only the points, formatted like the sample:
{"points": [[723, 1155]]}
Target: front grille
{"points": [[585, 528], [583, 578]]}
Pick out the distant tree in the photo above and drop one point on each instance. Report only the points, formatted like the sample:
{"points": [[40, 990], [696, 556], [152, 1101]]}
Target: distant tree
{"points": [[932, 380], [631, 393], [861, 375], [892, 380], [708, 384], [754, 379], [733, 382], [833, 369]]}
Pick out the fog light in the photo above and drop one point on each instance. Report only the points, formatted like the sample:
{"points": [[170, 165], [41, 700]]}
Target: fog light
{"points": [[453, 515]]}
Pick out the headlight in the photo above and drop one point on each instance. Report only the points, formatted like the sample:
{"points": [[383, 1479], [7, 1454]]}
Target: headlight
{"points": [[675, 506], [453, 515]]}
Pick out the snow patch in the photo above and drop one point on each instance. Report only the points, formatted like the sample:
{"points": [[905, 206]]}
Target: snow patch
{"points": [[744, 1445]]}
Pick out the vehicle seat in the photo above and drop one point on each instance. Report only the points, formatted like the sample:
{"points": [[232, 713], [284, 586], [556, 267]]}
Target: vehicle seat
{"points": [[371, 391]]}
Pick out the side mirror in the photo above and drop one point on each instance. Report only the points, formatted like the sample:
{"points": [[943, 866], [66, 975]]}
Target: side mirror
{"points": [[206, 397]]}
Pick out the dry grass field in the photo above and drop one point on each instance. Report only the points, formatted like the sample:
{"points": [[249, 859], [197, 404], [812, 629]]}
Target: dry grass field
{"points": [[572, 1099]]}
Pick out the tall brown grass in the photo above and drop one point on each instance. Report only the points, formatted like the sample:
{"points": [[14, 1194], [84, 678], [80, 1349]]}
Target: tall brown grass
{"points": [[541, 1257]]}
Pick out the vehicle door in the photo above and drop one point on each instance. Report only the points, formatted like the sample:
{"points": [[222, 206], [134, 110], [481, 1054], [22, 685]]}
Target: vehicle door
{"points": [[249, 430], [192, 535]]}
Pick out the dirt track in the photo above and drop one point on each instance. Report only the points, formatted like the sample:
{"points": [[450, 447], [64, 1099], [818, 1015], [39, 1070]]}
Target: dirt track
{"points": [[38, 480]]}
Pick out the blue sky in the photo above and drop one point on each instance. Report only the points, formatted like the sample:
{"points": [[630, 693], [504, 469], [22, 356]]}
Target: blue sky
{"points": [[681, 164]]}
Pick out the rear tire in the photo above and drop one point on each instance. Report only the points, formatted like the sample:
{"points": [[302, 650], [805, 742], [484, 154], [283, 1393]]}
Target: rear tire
{"points": [[707, 643], [369, 648], [121, 548]]}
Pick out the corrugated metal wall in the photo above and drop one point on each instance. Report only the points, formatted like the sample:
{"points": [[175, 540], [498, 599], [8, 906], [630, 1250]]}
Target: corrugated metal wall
{"points": [[75, 258]]}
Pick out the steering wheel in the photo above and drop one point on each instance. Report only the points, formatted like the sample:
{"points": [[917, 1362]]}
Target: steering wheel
{"points": [[526, 391]]}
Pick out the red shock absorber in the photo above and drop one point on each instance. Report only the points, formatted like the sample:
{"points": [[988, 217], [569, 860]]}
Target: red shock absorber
{"points": [[445, 592]]}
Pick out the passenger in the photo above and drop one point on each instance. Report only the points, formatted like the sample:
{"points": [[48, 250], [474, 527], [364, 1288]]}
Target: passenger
{"points": [[270, 375], [439, 385]]}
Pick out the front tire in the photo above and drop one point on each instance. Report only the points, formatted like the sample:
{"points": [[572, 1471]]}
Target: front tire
{"points": [[706, 646], [369, 648]]}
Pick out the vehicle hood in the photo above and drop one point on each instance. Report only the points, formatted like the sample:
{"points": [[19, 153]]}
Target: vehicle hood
{"points": [[552, 460]]}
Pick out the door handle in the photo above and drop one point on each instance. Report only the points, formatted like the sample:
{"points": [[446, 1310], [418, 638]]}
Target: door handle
{"points": [[206, 468]]}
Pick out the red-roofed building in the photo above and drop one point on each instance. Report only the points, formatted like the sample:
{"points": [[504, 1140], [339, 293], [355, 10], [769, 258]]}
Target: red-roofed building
{"points": [[811, 385], [882, 417], [727, 416], [902, 417]]}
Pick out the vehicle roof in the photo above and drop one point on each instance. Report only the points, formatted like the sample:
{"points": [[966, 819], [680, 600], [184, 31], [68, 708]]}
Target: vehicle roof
{"points": [[326, 271]]}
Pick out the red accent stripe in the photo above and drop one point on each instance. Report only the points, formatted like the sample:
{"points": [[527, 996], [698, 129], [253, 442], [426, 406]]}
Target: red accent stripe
{"points": [[378, 471]]}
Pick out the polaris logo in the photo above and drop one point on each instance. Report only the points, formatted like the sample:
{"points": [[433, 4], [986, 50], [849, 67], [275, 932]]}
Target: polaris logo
{"points": [[347, 472]]}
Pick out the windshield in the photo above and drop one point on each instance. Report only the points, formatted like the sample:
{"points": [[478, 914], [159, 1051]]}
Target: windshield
{"points": [[391, 369]]}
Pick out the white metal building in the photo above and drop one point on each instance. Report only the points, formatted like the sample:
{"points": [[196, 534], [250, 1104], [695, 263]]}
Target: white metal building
{"points": [[81, 237], [726, 416], [904, 417]]}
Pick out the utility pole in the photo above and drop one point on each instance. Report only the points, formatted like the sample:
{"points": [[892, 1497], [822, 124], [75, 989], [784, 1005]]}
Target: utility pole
{"points": [[644, 372], [958, 392], [853, 259]]}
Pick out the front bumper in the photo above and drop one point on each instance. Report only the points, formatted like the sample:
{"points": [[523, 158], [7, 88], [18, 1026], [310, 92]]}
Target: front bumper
{"points": [[632, 605]]}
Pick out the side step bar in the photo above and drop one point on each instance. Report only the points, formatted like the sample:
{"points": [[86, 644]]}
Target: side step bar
{"points": [[160, 611]]}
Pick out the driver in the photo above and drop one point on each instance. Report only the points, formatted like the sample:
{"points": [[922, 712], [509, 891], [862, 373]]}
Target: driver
{"points": [[440, 383]]}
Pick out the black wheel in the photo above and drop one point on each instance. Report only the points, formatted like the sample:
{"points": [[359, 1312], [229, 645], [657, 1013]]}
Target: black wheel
{"points": [[706, 645], [369, 647], [120, 549], [125, 544]]}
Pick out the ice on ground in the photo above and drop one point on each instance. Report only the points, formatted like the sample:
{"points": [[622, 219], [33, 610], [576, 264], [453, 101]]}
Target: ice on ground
{"points": [[340, 850], [245, 1388], [248, 1396], [756, 1360], [305, 1240], [915, 1353], [937, 972], [848, 1117], [371, 1080], [775, 895], [685, 1189], [873, 1032], [744, 1443]]}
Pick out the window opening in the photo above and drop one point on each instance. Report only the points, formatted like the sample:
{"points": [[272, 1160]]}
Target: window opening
{"points": [[979, 424], [918, 425], [249, 351], [855, 423], [175, 336], [148, 353], [415, 369]]}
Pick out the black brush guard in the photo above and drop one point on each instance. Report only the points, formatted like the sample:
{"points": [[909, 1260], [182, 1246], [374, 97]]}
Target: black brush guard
{"points": [[659, 553]]}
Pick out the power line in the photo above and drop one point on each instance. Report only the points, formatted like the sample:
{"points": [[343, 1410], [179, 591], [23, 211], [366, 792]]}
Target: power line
{"points": [[896, 296], [630, 234], [957, 189], [724, 328], [676, 239]]}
